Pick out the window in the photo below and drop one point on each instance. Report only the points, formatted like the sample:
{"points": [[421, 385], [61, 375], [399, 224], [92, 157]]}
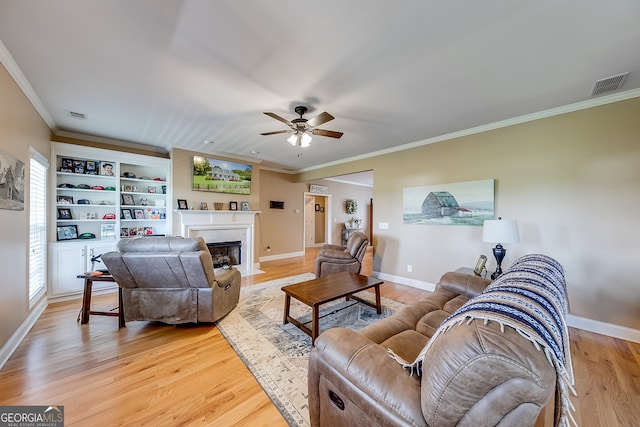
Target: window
{"points": [[38, 166]]}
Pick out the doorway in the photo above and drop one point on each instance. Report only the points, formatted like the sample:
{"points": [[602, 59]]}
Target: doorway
{"points": [[317, 211]]}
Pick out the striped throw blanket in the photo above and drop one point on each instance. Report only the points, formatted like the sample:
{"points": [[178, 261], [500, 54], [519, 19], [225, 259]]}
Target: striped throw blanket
{"points": [[532, 299]]}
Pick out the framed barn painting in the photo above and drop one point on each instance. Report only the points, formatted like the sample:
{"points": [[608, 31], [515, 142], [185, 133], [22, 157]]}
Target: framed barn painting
{"points": [[461, 203]]}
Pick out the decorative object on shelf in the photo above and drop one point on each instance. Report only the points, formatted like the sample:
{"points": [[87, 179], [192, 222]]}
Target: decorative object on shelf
{"points": [[221, 176], [106, 169], [138, 213], [64, 213], [500, 231], [320, 189], [204, 206], [67, 232], [129, 175], [244, 206], [87, 236], [65, 200], [182, 204], [66, 165], [92, 167], [350, 206], [233, 206], [84, 202], [127, 199], [151, 189], [126, 214], [460, 203], [144, 201], [218, 206]]}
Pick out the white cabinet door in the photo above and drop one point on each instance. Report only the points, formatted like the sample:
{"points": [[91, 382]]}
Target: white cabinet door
{"points": [[68, 260]]}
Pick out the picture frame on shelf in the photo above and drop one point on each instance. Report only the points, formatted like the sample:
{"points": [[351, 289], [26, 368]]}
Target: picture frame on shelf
{"points": [[66, 165], [148, 231], [127, 199], [126, 214], [124, 232], [91, 167], [67, 232], [79, 166], [107, 231], [106, 169], [204, 206], [182, 204], [233, 206], [65, 200], [64, 213], [244, 206], [138, 213]]}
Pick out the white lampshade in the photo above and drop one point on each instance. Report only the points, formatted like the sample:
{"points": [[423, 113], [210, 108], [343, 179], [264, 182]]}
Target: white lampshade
{"points": [[302, 139], [500, 231]]}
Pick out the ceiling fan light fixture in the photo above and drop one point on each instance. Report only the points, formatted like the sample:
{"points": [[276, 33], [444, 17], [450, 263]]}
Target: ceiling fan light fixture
{"points": [[301, 139]]}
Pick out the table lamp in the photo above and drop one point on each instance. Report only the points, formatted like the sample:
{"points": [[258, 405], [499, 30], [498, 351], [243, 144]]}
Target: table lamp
{"points": [[500, 231]]}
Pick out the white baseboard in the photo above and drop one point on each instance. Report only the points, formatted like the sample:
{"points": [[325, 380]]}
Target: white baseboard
{"points": [[281, 256], [12, 344], [595, 326]]}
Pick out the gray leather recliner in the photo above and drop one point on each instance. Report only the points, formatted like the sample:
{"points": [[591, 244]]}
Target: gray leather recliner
{"points": [[335, 258], [171, 280]]}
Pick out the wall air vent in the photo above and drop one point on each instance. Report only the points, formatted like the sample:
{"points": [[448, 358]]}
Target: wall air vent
{"points": [[79, 116], [609, 84]]}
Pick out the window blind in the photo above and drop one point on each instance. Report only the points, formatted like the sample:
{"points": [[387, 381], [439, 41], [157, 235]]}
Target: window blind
{"points": [[38, 166]]}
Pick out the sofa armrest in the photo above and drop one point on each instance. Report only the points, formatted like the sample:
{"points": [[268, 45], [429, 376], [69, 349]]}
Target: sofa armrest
{"points": [[464, 284], [329, 246], [365, 378], [334, 255]]}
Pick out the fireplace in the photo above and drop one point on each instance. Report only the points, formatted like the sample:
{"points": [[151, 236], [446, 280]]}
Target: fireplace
{"points": [[225, 253], [224, 226]]}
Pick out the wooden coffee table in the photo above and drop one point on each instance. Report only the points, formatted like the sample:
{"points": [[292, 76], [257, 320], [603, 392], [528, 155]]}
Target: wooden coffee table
{"points": [[316, 292]]}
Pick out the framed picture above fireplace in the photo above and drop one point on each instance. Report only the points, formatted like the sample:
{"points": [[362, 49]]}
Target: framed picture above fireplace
{"points": [[221, 176]]}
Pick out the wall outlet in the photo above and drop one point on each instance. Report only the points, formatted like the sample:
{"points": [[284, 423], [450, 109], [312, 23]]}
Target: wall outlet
{"points": [[383, 225], [268, 248], [409, 268]]}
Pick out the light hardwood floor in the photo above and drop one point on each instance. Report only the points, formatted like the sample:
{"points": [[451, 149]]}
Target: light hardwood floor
{"points": [[149, 374]]}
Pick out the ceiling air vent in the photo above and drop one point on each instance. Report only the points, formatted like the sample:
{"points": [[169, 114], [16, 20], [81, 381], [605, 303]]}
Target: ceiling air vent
{"points": [[609, 84], [79, 116]]}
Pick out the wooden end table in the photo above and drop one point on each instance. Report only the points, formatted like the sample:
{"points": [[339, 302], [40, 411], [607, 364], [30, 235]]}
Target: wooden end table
{"points": [[319, 291], [85, 311]]}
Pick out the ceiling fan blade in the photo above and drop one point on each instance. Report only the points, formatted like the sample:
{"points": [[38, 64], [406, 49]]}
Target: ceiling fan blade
{"points": [[276, 132], [320, 119], [277, 117], [329, 133]]}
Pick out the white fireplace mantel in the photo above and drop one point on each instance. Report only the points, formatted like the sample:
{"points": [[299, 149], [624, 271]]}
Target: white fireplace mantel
{"points": [[215, 226]]}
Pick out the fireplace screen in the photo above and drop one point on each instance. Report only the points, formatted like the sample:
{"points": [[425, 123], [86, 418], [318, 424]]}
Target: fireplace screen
{"points": [[225, 253]]}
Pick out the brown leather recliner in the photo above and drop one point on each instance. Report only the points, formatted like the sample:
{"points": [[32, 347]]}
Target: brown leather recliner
{"points": [[171, 280], [335, 258], [475, 374]]}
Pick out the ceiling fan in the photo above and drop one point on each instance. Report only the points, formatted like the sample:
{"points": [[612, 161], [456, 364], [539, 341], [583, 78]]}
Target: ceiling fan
{"points": [[301, 129]]}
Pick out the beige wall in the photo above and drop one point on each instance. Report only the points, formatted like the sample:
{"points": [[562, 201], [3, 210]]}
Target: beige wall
{"points": [[283, 229], [20, 127], [572, 182]]}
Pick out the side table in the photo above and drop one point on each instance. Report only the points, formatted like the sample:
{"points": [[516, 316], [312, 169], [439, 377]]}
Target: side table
{"points": [[85, 311]]}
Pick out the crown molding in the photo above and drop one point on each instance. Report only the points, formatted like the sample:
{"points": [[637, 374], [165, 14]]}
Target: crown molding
{"points": [[16, 73], [577, 106]]}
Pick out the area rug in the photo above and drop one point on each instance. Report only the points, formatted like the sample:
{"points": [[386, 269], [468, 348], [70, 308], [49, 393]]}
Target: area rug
{"points": [[276, 354]]}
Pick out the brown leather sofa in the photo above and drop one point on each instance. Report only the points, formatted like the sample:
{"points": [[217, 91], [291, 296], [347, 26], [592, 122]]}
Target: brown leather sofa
{"points": [[473, 375], [336, 258], [171, 280]]}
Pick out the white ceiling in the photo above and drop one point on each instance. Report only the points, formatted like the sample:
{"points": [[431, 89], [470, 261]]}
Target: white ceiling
{"points": [[171, 73]]}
